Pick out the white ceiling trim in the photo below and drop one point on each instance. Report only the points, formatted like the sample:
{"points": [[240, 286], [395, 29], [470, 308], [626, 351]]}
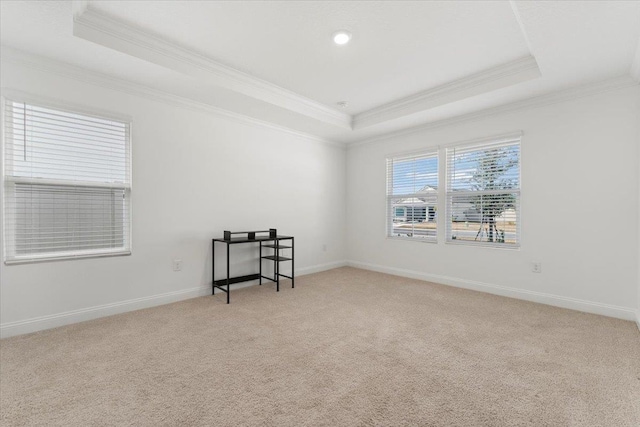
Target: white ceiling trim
{"points": [[635, 64], [620, 82], [99, 28], [504, 75], [109, 82]]}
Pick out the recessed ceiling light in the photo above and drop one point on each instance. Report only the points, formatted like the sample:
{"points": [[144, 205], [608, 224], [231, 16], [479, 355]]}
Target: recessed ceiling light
{"points": [[341, 37], [343, 104]]}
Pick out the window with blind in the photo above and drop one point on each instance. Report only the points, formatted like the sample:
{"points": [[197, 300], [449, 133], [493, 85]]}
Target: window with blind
{"points": [[67, 184], [483, 193], [412, 196]]}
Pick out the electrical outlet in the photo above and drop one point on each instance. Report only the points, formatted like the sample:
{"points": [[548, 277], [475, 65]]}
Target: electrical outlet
{"points": [[177, 265], [536, 267]]}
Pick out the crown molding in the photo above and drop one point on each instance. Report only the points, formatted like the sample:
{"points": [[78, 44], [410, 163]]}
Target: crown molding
{"points": [[109, 82], [107, 31], [635, 64], [488, 80], [538, 101]]}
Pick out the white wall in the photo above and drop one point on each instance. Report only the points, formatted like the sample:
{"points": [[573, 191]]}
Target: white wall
{"points": [[195, 174], [579, 163]]}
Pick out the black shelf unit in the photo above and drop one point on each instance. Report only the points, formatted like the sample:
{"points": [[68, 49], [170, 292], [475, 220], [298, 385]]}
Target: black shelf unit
{"points": [[266, 239], [277, 259]]}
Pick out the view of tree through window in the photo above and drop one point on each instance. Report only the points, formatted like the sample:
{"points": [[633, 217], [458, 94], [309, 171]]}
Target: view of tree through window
{"points": [[483, 192]]}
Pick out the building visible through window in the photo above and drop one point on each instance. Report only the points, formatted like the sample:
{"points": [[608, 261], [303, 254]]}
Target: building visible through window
{"points": [[412, 196]]}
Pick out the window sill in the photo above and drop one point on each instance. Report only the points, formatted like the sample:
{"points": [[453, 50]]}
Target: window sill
{"points": [[61, 257], [411, 239], [502, 246]]}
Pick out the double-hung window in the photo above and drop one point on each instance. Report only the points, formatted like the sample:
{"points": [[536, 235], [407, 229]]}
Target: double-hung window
{"points": [[67, 183], [483, 193], [412, 196]]}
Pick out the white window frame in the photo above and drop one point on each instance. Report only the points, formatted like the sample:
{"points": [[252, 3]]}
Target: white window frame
{"points": [[24, 97], [448, 193], [390, 213]]}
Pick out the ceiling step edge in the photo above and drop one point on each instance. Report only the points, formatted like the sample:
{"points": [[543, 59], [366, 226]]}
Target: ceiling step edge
{"points": [[589, 89], [501, 76], [97, 27]]}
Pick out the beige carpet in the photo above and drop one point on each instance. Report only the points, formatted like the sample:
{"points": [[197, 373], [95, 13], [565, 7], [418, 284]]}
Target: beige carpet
{"points": [[347, 347]]}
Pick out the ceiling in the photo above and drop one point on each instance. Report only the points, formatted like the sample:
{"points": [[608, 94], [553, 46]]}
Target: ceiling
{"points": [[289, 43], [409, 63]]}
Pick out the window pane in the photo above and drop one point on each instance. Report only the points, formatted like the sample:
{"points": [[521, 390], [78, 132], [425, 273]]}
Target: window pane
{"points": [[414, 217], [53, 144], [51, 219], [484, 169], [484, 218], [483, 192], [414, 175], [412, 196]]}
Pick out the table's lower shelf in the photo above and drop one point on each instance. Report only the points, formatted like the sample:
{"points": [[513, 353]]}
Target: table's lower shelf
{"points": [[276, 258], [223, 282]]}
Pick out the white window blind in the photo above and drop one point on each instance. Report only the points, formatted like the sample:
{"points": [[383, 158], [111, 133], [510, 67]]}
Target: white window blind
{"points": [[483, 193], [412, 196], [67, 184]]}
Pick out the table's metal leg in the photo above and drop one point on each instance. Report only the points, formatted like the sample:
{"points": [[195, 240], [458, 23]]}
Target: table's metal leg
{"points": [[213, 267], [277, 266], [260, 267], [228, 299], [293, 274]]}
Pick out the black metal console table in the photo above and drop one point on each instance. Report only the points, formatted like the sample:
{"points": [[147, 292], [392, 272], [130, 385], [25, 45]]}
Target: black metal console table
{"points": [[268, 239]]}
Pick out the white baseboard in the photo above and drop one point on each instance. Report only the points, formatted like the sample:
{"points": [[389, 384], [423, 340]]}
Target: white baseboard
{"points": [[321, 267], [539, 297], [66, 318], [638, 319], [52, 321]]}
